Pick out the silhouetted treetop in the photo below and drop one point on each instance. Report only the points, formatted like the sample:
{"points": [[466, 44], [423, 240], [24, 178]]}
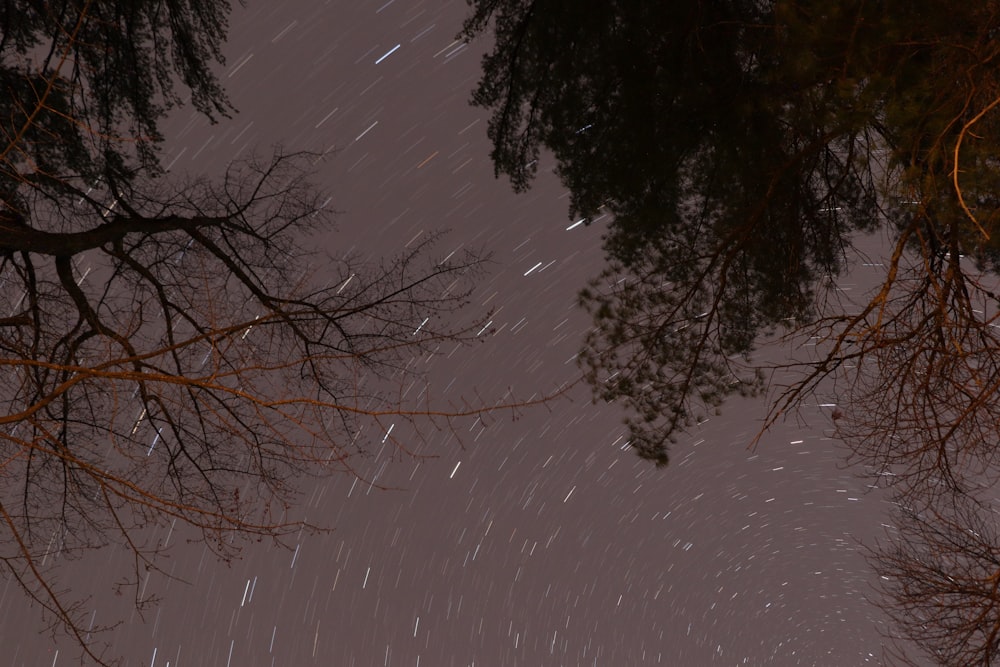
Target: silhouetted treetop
{"points": [[85, 83], [735, 147]]}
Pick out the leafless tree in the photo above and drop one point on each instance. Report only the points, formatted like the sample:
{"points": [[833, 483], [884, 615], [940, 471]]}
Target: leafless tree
{"points": [[176, 360], [939, 580], [171, 350]]}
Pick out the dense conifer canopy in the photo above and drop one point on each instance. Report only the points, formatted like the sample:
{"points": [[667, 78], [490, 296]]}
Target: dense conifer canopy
{"points": [[736, 149]]}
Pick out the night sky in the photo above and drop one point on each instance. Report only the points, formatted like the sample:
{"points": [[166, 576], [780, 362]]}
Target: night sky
{"points": [[535, 540]]}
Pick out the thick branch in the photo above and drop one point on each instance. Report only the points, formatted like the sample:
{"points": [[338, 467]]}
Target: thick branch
{"points": [[22, 238]]}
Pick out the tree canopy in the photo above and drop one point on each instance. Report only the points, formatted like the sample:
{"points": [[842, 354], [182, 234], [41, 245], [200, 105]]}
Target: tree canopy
{"points": [[737, 150], [736, 147], [171, 349]]}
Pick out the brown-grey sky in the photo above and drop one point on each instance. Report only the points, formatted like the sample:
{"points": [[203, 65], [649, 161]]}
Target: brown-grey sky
{"points": [[535, 541]]}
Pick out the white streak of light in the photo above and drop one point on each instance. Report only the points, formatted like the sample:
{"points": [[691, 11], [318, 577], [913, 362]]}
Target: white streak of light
{"points": [[153, 444], [284, 32], [345, 284], [423, 32], [183, 150], [445, 49], [366, 130], [387, 54], [240, 64], [169, 533], [139, 421]]}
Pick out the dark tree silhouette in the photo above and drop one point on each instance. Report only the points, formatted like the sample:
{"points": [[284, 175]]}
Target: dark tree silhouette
{"points": [[728, 195], [170, 351], [940, 572], [736, 150]]}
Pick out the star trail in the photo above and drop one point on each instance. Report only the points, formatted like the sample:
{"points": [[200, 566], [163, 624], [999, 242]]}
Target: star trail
{"points": [[530, 538]]}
